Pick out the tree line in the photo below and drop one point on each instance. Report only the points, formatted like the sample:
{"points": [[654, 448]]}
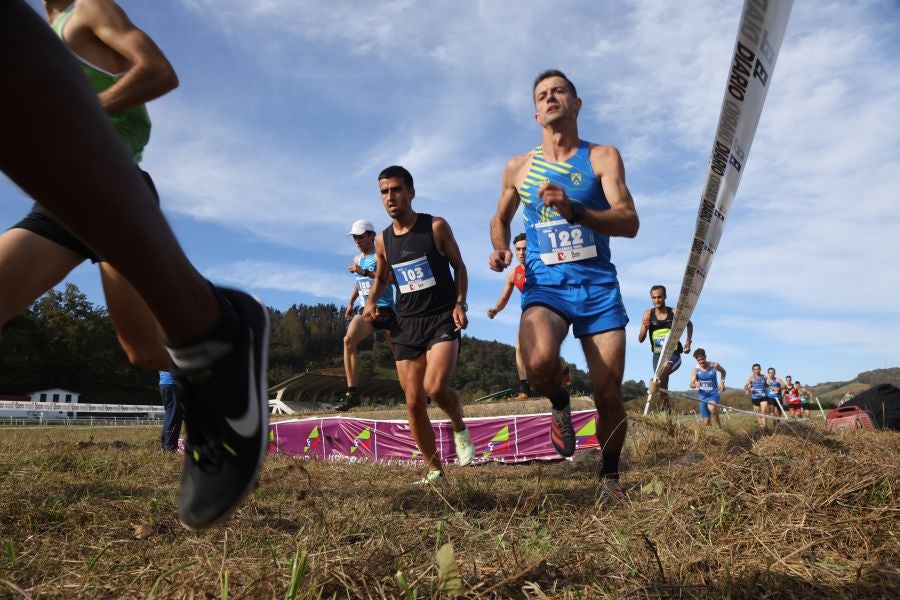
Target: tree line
{"points": [[63, 340]]}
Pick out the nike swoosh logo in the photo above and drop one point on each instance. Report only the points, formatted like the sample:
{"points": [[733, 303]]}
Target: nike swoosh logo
{"points": [[247, 425]]}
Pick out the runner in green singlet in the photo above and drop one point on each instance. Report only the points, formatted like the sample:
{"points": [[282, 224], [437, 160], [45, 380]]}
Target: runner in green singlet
{"points": [[126, 69]]}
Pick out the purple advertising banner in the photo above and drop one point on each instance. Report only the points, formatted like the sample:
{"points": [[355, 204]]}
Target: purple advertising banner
{"points": [[501, 439]]}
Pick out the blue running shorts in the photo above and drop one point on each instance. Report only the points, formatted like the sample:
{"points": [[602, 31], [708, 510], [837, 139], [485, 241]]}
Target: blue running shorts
{"points": [[590, 307]]}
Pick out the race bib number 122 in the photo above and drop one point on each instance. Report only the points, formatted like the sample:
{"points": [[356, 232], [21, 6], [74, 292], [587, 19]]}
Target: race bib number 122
{"points": [[562, 242]]}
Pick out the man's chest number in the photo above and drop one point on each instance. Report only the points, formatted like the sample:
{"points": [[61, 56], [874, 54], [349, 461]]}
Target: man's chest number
{"points": [[565, 237]]}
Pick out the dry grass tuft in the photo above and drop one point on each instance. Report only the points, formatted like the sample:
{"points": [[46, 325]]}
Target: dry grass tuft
{"points": [[801, 513]]}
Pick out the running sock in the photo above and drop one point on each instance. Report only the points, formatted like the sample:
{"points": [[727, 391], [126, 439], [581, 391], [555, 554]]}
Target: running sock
{"points": [[213, 345], [559, 399], [610, 468], [351, 389], [524, 387]]}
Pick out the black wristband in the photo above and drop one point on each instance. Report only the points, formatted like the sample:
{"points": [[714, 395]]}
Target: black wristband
{"points": [[578, 212]]}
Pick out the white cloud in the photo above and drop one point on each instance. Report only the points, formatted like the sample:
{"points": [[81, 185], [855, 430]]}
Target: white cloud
{"points": [[282, 277], [443, 88]]}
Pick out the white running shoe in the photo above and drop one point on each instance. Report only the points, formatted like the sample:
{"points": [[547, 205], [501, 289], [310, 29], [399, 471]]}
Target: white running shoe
{"points": [[465, 449]]}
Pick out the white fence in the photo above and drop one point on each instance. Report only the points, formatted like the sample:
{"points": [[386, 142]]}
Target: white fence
{"points": [[15, 412], [80, 407]]}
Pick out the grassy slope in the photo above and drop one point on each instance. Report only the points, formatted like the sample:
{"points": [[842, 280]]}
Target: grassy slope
{"points": [[801, 513]]}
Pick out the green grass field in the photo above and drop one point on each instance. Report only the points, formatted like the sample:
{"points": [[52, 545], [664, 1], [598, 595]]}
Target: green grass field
{"points": [[90, 513]]}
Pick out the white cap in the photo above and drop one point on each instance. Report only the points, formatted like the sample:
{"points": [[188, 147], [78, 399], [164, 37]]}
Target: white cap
{"points": [[360, 227]]}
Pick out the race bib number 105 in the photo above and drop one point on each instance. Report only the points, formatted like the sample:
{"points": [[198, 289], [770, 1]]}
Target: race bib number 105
{"points": [[414, 275], [562, 242]]}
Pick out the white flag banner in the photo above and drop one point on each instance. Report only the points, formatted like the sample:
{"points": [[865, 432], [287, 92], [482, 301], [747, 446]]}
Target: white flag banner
{"points": [[756, 49]]}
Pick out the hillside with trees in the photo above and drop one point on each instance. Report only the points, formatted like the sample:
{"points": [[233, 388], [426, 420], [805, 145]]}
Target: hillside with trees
{"points": [[63, 340]]}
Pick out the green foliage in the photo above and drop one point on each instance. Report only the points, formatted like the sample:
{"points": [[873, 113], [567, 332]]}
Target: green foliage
{"points": [[878, 376], [633, 389], [63, 341]]}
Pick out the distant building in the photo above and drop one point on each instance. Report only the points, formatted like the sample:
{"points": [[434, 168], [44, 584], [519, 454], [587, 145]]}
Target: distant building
{"points": [[55, 395]]}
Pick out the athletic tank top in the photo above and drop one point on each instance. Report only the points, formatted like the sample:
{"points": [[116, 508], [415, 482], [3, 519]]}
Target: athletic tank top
{"points": [[519, 277], [792, 396], [133, 125], [758, 387], [708, 383], [364, 284], [421, 273], [773, 389], [559, 253], [659, 329]]}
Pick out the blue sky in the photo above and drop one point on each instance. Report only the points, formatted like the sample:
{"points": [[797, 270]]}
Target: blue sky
{"points": [[287, 111]]}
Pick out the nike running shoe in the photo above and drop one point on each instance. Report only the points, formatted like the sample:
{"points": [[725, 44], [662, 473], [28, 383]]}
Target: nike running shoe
{"points": [[562, 434], [465, 449], [226, 410], [351, 400], [521, 396], [433, 477]]}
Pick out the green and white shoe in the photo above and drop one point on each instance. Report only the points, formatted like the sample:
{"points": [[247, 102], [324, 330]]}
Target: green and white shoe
{"points": [[433, 477], [465, 449]]}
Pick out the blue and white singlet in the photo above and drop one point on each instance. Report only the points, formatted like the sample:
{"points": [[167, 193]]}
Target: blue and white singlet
{"points": [[560, 253]]}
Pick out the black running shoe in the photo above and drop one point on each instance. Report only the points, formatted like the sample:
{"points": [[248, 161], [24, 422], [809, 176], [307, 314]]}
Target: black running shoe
{"points": [[562, 434], [351, 400], [226, 410]]}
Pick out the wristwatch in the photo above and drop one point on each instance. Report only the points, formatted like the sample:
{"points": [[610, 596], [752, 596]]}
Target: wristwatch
{"points": [[578, 212], [464, 306]]}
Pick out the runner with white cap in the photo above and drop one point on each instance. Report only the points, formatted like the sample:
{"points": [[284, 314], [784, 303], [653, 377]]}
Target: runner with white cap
{"points": [[363, 266]]}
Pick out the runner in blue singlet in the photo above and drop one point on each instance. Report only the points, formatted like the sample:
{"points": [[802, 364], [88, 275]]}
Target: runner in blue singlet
{"points": [[774, 389], [756, 388], [704, 379], [574, 199], [363, 266]]}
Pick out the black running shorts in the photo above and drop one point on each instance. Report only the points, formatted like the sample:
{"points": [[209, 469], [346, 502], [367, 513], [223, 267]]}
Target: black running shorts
{"points": [[41, 222], [416, 335], [386, 320]]}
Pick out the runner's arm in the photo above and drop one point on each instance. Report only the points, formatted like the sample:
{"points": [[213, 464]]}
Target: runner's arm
{"points": [[355, 268], [690, 337], [446, 245], [693, 382], [721, 370], [506, 210], [349, 312], [379, 281], [151, 74], [504, 295], [621, 220], [645, 326]]}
